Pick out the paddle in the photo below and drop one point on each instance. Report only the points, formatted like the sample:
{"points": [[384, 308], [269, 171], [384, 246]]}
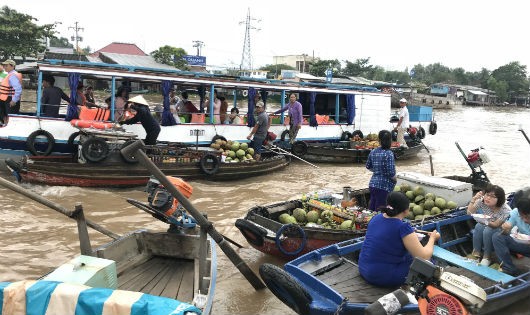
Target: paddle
{"points": [[289, 153], [134, 149], [524, 134], [71, 214]]}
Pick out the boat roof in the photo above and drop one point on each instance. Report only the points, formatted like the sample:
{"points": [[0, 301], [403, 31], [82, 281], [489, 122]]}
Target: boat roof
{"points": [[146, 74]]}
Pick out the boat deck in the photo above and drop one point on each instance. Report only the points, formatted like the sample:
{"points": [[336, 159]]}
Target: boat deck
{"points": [[357, 290], [162, 276]]}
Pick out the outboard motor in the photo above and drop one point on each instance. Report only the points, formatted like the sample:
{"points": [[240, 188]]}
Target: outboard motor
{"points": [[477, 157], [168, 206]]}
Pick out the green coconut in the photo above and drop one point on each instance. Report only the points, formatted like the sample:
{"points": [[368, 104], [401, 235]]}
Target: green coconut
{"points": [[291, 220], [283, 218], [405, 188], [231, 154], [430, 196], [419, 199], [250, 151], [312, 216], [235, 146], [451, 204], [440, 202], [240, 153], [299, 214], [418, 190], [397, 188], [249, 157], [417, 210], [426, 213], [243, 146], [419, 217], [411, 205], [435, 210], [428, 204], [410, 195], [346, 225], [326, 215]]}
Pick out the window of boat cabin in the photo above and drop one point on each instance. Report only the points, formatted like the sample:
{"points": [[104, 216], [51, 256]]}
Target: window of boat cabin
{"points": [[325, 104]]}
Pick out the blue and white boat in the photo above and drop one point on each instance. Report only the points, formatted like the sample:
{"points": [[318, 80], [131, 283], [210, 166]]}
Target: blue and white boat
{"points": [[327, 280]]}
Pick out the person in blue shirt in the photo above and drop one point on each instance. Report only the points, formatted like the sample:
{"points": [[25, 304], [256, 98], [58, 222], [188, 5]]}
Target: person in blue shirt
{"points": [[390, 245], [504, 243], [381, 163]]}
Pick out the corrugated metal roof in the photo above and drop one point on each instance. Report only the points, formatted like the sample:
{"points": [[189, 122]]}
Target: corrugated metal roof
{"points": [[477, 92], [136, 61]]}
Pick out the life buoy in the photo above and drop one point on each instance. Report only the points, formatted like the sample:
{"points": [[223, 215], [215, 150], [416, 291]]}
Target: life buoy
{"points": [[299, 148], [284, 135], [79, 123], [253, 234], [421, 132], [207, 159], [280, 238], [346, 135], [95, 149], [286, 288], [433, 127], [32, 145], [128, 158], [244, 93], [357, 133], [216, 137]]}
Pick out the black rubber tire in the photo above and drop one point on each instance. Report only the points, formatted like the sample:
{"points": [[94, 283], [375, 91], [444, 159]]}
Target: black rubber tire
{"points": [[30, 142], [279, 241], [345, 136], [204, 161], [357, 133], [95, 149], [421, 132], [299, 148], [128, 159], [285, 134], [286, 288], [217, 137], [71, 142], [253, 234], [433, 127]]}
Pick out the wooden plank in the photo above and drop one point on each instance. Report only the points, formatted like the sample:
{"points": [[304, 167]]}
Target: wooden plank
{"points": [[174, 279], [156, 285], [140, 276], [186, 289], [465, 263]]}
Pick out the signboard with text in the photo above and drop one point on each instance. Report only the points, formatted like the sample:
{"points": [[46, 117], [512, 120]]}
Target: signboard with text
{"points": [[195, 60]]}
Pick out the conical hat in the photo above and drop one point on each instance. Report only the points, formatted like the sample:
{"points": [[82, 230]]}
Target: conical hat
{"points": [[138, 100]]}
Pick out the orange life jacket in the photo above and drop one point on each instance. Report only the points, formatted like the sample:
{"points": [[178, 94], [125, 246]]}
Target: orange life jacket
{"points": [[6, 89]]}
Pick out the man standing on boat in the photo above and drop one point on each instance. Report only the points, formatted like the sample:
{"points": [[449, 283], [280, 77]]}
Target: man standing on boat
{"points": [[259, 130], [51, 97], [144, 116], [295, 116], [403, 122], [10, 91]]}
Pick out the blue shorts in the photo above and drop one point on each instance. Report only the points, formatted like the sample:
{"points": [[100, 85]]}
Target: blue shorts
{"points": [[257, 143]]}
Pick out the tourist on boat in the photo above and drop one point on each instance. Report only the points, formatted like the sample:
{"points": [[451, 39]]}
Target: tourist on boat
{"points": [[490, 202], [120, 102], [51, 97], [403, 122], [81, 98], [503, 243], [89, 94], [391, 244], [295, 116], [382, 164], [223, 109], [259, 131], [185, 107], [174, 101], [144, 116], [234, 118], [10, 91]]}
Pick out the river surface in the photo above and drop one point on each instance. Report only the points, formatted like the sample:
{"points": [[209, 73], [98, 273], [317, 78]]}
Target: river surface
{"points": [[35, 239]]}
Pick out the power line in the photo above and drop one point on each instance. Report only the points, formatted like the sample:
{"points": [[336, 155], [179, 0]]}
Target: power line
{"points": [[76, 37], [198, 44]]}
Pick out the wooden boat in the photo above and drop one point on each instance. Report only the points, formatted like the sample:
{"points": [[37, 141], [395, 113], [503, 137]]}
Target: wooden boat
{"points": [[31, 131], [327, 280], [65, 170], [345, 152], [263, 230]]}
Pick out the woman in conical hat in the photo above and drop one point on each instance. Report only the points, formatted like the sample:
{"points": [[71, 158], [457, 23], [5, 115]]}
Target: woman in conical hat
{"points": [[144, 116]]}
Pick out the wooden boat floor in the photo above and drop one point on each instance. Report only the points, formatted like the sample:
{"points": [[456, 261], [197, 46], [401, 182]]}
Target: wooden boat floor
{"points": [[161, 276], [347, 281]]}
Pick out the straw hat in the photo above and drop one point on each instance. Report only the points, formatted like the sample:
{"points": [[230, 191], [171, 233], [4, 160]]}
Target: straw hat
{"points": [[139, 99]]}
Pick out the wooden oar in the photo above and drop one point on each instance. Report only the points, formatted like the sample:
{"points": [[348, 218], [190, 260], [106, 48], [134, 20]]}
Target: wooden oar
{"points": [[289, 153], [134, 149], [50, 204], [524, 134]]}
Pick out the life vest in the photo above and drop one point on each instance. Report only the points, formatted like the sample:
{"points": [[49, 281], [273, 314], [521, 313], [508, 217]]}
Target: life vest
{"points": [[6, 90], [94, 113]]}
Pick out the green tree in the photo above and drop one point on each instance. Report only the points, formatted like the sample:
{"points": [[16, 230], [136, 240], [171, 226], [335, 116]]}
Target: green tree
{"points": [[61, 42], [515, 76], [361, 67], [319, 67], [276, 70], [20, 36], [172, 56]]}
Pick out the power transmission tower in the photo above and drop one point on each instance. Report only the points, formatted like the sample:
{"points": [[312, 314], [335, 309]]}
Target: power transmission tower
{"points": [[76, 37], [198, 44], [246, 57]]}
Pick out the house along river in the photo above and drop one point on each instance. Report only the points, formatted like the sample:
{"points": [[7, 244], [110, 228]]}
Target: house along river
{"points": [[35, 239]]}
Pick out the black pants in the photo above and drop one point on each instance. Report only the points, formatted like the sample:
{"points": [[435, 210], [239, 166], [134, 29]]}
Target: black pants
{"points": [[4, 110], [151, 136]]}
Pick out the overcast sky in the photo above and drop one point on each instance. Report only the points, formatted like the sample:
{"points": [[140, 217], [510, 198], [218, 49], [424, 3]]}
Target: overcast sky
{"points": [[393, 34]]}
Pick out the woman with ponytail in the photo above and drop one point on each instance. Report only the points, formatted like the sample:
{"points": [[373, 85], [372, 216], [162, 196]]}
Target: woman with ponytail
{"points": [[391, 244]]}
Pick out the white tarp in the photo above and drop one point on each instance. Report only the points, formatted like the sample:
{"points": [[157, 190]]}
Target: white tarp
{"points": [[477, 92]]}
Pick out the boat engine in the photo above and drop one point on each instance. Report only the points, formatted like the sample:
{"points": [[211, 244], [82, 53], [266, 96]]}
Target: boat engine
{"points": [[477, 157], [437, 292], [167, 206]]}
